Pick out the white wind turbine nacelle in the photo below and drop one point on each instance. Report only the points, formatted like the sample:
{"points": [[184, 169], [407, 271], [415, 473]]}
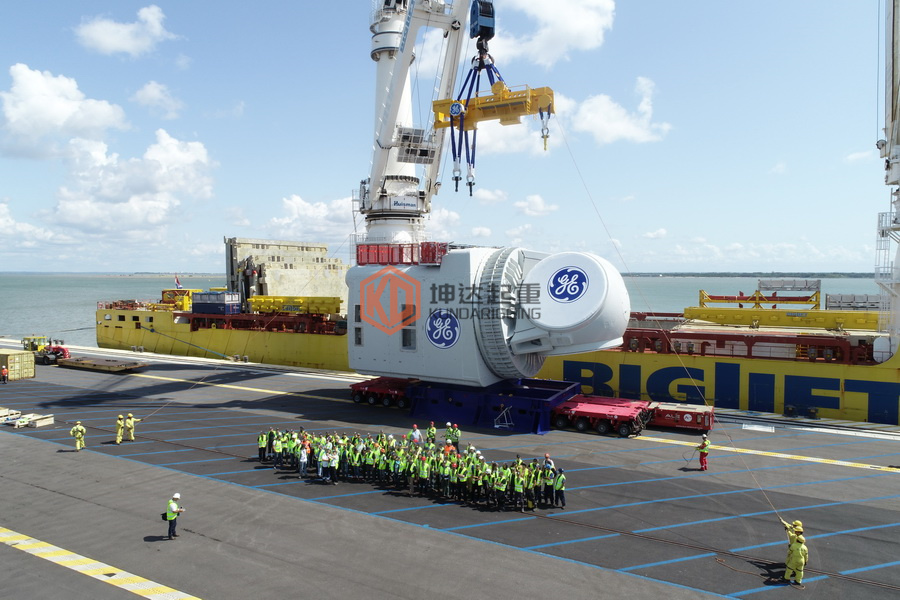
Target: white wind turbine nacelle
{"points": [[564, 303], [584, 306]]}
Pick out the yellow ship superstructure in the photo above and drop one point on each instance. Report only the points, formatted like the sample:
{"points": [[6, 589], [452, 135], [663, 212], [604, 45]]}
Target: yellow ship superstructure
{"points": [[311, 340]]}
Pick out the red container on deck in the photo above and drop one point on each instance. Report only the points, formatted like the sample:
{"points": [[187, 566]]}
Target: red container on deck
{"points": [[685, 416]]}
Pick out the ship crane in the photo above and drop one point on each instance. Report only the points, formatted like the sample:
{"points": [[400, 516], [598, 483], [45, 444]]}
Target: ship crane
{"points": [[470, 316], [887, 262]]}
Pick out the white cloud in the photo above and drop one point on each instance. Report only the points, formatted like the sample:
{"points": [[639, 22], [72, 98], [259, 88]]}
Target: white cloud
{"points": [[131, 198], [517, 234], [236, 111], [535, 206], [206, 250], [441, 223], [237, 217], [481, 232], [40, 105], [486, 196], [655, 235], [778, 169], [494, 138], [183, 62], [566, 26], [609, 122], [25, 235], [157, 96], [110, 37], [858, 156], [313, 221]]}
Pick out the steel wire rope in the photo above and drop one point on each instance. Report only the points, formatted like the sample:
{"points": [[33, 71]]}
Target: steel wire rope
{"points": [[879, 72], [665, 333]]}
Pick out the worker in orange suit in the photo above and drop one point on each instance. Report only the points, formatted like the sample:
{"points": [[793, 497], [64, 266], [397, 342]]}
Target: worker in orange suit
{"points": [[703, 448], [129, 426]]}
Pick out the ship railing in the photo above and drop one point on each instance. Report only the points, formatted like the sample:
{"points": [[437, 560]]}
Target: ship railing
{"points": [[125, 305], [772, 347], [421, 253]]}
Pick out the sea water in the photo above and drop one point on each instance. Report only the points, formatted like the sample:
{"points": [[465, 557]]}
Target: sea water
{"points": [[63, 305]]}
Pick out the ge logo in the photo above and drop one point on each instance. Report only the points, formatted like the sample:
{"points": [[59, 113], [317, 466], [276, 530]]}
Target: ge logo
{"points": [[456, 109], [568, 284], [442, 329]]}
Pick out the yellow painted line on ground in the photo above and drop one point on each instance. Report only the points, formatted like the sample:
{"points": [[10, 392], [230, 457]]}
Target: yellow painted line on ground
{"points": [[238, 387], [813, 459], [87, 566]]}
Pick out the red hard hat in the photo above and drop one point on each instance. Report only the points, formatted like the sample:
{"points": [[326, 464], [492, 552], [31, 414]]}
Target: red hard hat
{"points": [[415, 426], [455, 425]]}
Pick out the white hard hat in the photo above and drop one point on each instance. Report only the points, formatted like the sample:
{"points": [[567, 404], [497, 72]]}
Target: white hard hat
{"points": [[391, 436], [448, 423], [176, 495], [703, 436]]}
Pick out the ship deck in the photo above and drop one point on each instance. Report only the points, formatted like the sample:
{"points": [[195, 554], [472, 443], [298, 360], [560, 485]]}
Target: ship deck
{"points": [[641, 519]]}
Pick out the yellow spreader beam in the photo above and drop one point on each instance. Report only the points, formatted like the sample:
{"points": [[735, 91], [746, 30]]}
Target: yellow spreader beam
{"points": [[503, 104]]}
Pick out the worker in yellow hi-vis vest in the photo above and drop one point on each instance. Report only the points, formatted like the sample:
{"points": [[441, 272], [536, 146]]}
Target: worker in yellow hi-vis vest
{"points": [[129, 426], [78, 432], [120, 428]]}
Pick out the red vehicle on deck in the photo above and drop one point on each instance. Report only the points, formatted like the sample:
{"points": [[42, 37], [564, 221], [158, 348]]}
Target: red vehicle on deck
{"points": [[625, 417], [629, 417], [685, 416], [387, 391]]}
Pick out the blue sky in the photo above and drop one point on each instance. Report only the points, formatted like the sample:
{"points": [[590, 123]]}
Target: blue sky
{"points": [[690, 136]]}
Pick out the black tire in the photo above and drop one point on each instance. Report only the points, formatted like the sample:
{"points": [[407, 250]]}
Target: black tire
{"points": [[46, 360], [624, 430], [358, 397], [582, 424], [560, 421], [402, 402], [372, 399], [602, 427], [386, 401]]}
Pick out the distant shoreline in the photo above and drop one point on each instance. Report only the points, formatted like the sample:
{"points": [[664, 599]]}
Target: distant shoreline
{"points": [[100, 274], [767, 275], [756, 274]]}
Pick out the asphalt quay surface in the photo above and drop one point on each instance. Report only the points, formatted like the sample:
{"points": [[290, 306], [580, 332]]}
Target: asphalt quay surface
{"points": [[641, 519]]}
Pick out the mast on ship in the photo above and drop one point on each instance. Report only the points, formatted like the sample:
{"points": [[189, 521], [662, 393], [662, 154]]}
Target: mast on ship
{"points": [[887, 271]]}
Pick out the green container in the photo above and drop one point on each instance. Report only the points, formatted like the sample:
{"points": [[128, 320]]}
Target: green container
{"points": [[19, 362]]}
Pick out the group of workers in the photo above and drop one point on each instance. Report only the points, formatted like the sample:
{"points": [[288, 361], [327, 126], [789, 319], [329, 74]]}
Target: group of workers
{"points": [[418, 463], [798, 553], [124, 430]]}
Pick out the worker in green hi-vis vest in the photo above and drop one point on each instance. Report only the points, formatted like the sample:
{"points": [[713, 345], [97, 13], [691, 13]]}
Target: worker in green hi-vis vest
{"points": [[559, 487]]}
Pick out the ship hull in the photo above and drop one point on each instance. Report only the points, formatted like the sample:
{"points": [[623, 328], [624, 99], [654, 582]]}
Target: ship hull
{"points": [[835, 391], [129, 329]]}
